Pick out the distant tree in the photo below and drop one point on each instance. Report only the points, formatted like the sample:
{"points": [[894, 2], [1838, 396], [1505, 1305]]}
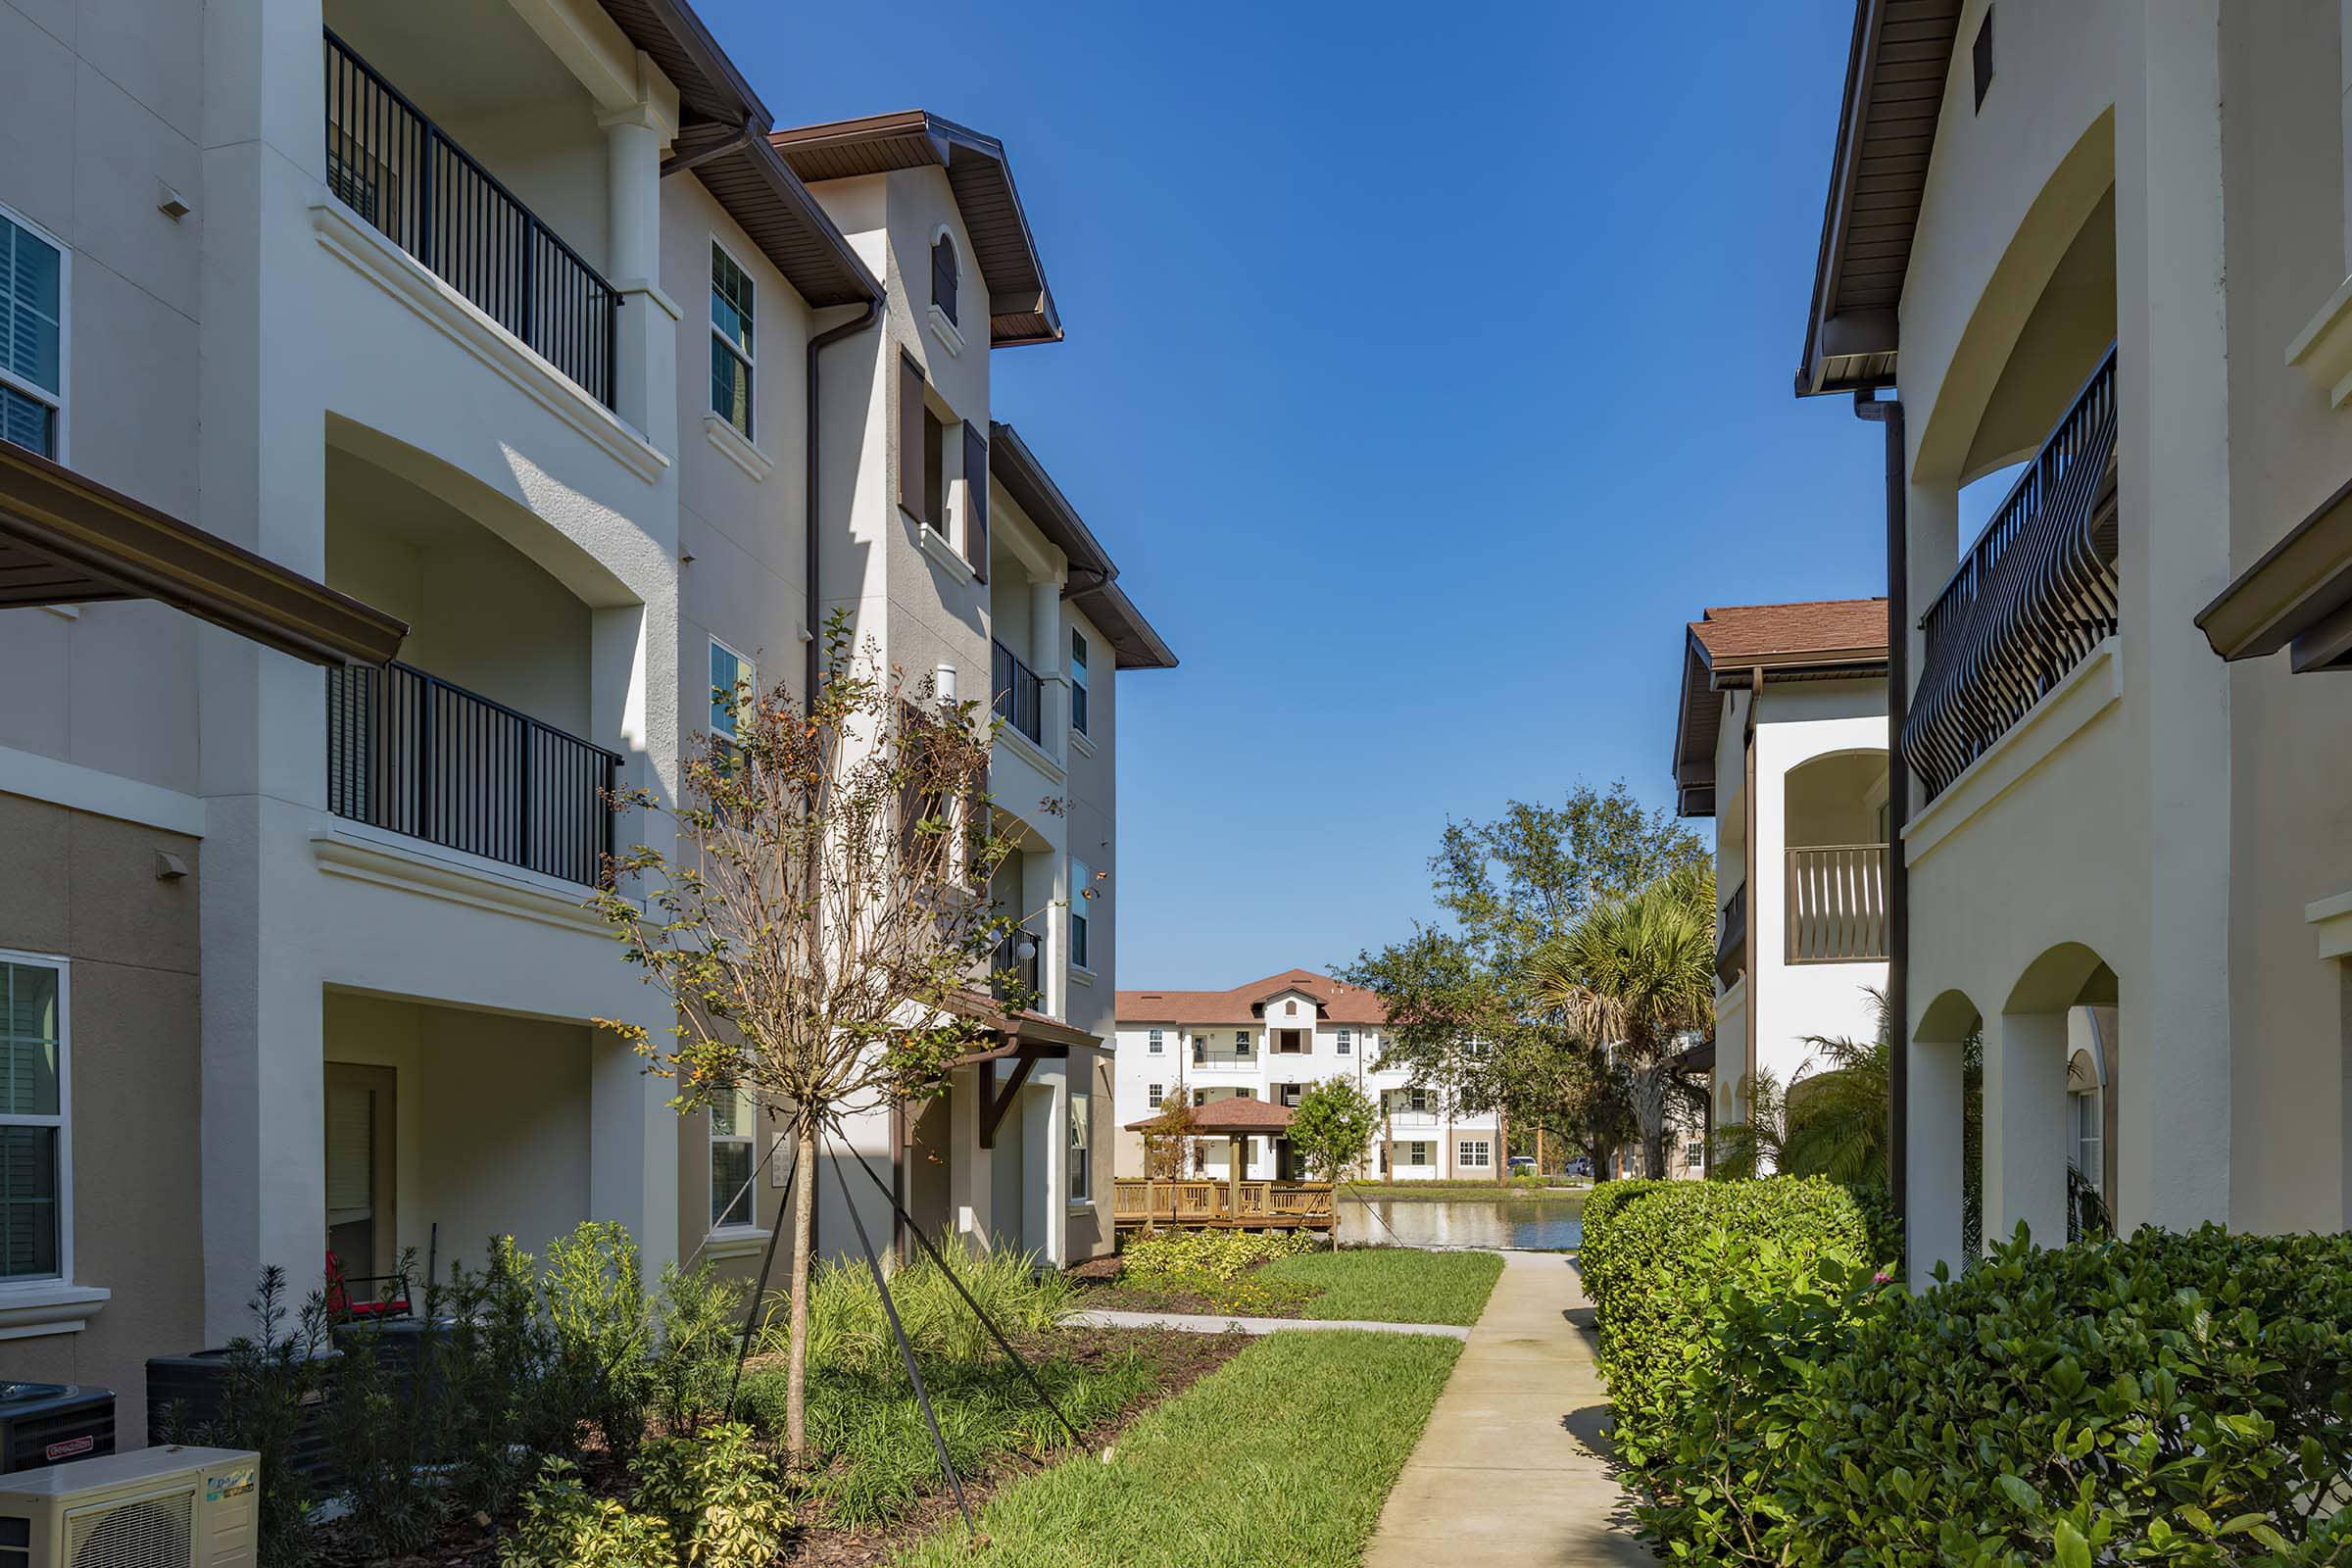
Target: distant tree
{"points": [[1167, 1137], [1332, 1126]]}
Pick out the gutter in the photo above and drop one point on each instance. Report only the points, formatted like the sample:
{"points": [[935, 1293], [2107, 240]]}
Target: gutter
{"points": [[1888, 414]]}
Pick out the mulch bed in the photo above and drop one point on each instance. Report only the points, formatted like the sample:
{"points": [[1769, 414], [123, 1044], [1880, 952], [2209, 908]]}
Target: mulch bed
{"points": [[1180, 1360]]}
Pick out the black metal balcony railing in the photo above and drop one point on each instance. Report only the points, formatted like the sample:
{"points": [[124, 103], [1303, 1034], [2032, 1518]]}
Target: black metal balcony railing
{"points": [[1731, 937], [1010, 972], [1836, 903], [2034, 595], [400, 171], [1017, 692], [413, 754]]}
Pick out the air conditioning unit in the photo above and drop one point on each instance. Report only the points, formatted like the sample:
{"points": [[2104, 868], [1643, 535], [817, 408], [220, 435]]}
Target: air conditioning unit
{"points": [[50, 1423], [169, 1507]]}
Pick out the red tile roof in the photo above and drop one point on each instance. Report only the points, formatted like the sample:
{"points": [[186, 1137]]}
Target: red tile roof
{"points": [[1734, 632], [1339, 1002], [1232, 1114]]}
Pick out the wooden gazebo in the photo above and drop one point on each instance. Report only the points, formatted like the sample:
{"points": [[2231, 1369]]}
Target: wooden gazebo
{"points": [[1242, 1205]]}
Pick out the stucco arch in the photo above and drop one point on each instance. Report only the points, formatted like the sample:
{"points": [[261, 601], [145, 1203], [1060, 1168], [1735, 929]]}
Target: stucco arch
{"points": [[2037, 249], [2064, 976], [1948, 1020]]}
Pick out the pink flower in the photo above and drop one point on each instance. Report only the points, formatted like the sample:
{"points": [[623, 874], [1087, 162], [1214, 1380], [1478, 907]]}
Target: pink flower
{"points": [[1882, 1277]]}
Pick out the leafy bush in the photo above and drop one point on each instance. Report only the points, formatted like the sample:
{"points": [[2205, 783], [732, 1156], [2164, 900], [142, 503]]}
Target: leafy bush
{"points": [[495, 1360], [565, 1526], [1604, 1205], [1217, 1265], [2171, 1397], [719, 1493], [273, 1376], [593, 1297], [702, 1324], [1664, 1255], [387, 1423]]}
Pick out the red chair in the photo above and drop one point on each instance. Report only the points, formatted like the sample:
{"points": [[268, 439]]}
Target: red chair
{"points": [[341, 1308]]}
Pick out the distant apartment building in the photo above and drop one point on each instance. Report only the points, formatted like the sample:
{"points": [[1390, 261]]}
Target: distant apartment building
{"points": [[2085, 266], [1781, 740], [496, 357], [1271, 1040]]}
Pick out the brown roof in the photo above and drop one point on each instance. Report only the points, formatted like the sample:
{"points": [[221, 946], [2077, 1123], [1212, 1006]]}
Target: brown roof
{"points": [[1338, 1002], [1812, 639], [709, 86], [1021, 307], [758, 190], [1895, 76], [1231, 1114]]}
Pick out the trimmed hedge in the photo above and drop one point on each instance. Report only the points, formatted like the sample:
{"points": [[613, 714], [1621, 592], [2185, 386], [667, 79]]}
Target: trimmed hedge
{"points": [[2182, 1398], [1595, 1253]]}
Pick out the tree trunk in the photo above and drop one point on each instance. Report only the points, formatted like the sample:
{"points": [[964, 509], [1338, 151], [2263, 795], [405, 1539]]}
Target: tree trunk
{"points": [[804, 1237], [1649, 1109]]}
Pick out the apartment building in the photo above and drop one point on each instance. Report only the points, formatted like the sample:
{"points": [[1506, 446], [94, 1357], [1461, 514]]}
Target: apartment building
{"points": [[2086, 266], [1781, 740], [1270, 1039], [503, 336]]}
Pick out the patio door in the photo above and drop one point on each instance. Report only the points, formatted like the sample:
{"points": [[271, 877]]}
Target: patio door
{"points": [[360, 1221]]}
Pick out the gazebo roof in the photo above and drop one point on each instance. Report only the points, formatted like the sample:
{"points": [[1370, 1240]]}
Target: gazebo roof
{"points": [[1229, 1118]]}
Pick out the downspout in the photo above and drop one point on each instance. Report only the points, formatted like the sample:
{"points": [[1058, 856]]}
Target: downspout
{"points": [[1888, 414]]}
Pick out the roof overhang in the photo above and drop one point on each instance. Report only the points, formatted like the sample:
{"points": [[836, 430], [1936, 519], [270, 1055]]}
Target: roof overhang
{"points": [[1017, 1032], [1699, 719], [66, 539], [709, 86], [745, 175], [1020, 305], [1895, 76], [1095, 586], [2297, 597]]}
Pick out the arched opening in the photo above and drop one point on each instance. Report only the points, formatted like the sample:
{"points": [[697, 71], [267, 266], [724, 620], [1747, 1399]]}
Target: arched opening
{"points": [[2051, 1065], [944, 275], [1833, 832], [1944, 1175]]}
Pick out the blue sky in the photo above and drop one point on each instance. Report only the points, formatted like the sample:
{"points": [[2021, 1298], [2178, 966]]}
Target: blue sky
{"points": [[1425, 372]]}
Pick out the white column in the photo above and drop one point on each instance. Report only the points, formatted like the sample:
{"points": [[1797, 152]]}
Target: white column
{"points": [[2025, 1126], [1045, 657], [1934, 1161]]}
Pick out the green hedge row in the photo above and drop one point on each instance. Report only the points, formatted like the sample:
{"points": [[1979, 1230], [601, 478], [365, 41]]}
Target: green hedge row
{"points": [[2178, 1399]]}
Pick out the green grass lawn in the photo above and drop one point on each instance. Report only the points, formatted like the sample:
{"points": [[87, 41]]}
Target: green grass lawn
{"points": [[1392, 1283], [1279, 1459]]}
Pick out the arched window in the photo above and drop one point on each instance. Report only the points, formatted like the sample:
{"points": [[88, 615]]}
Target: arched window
{"points": [[943, 277]]}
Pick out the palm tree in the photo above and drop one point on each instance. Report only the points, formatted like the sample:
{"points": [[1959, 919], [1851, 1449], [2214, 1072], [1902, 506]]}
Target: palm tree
{"points": [[1634, 976]]}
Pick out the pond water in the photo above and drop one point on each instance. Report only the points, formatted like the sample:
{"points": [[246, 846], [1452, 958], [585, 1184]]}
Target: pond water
{"points": [[1544, 1222]]}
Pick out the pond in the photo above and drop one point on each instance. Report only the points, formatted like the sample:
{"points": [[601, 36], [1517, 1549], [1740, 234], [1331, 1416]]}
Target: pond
{"points": [[1538, 1222]]}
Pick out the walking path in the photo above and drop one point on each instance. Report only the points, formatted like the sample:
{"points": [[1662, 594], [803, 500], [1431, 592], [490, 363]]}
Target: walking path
{"points": [[1512, 1468], [1211, 1323]]}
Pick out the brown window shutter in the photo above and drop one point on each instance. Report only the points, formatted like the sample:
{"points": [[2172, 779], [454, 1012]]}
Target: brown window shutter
{"points": [[911, 433], [975, 485]]}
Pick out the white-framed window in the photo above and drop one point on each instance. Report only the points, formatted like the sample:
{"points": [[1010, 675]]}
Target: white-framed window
{"points": [[1241, 1042], [1077, 680], [1244, 1094], [734, 1127], [733, 347], [734, 684], [1082, 893], [1347, 1041], [1473, 1153], [35, 1139], [1416, 1100], [1080, 1140], [1418, 1153], [32, 337], [1159, 1042], [2089, 1130], [1697, 1155], [1153, 1094]]}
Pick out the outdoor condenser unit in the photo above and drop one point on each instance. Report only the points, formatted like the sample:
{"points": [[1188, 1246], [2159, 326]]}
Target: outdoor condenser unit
{"points": [[50, 1423], [168, 1507]]}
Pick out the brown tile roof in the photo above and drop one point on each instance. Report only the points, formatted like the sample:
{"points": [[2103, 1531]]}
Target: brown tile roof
{"points": [[1232, 1114], [1339, 1002], [1731, 633]]}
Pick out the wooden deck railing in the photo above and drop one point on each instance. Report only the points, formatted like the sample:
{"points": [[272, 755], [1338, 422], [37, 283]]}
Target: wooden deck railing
{"points": [[1202, 1201], [1836, 903]]}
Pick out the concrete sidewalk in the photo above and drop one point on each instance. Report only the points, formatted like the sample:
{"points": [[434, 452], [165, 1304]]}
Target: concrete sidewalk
{"points": [[1512, 1469], [1210, 1323]]}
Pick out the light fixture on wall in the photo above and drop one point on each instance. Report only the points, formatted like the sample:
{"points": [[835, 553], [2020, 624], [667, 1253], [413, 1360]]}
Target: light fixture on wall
{"points": [[1026, 949], [943, 682]]}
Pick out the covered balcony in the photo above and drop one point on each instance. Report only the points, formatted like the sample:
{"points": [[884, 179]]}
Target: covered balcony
{"points": [[1833, 882], [2031, 600], [1015, 693]]}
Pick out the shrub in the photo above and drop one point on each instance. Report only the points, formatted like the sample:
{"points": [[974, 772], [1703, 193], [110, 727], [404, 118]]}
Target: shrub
{"points": [[273, 1376], [563, 1526], [594, 1301], [1603, 1206], [720, 1494], [2172, 1397], [1218, 1265], [386, 1422], [702, 1322], [495, 1360]]}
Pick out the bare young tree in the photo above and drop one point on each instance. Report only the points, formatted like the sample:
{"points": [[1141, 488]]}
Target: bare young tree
{"points": [[825, 918]]}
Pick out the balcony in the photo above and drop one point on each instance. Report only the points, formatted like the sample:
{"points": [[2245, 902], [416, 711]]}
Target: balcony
{"points": [[1731, 938], [1836, 903], [1017, 694], [404, 176], [1013, 977], [2036, 594], [413, 754]]}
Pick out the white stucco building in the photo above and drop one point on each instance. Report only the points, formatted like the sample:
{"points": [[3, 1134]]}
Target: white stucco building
{"points": [[1269, 1040], [1781, 738]]}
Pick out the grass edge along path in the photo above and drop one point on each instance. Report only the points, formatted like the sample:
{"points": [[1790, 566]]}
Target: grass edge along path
{"points": [[1393, 1285], [1282, 1457]]}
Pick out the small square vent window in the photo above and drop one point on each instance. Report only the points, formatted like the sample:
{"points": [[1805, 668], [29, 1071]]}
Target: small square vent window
{"points": [[1981, 57]]}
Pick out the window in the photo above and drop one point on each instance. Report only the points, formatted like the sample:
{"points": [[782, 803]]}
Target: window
{"points": [[1080, 1140], [1416, 1100], [1159, 1042], [2089, 1128], [1244, 1094], [1082, 890], [734, 684], [1290, 1041], [1290, 1009], [1416, 1153], [1980, 58], [734, 1123], [1078, 684], [943, 277], [33, 290], [922, 450], [1695, 1156], [33, 1118], [1241, 1042], [1290, 1094], [1200, 1050], [1346, 1041], [731, 351], [1153, 1095], [1472, 1154], [1200, 1097]]}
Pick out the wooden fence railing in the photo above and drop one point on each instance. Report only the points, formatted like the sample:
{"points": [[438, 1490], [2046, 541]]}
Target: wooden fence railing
{"points": [[1135, 1201]]}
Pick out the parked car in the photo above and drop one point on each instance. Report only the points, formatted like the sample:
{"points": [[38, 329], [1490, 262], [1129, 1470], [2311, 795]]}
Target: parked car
{"points": [[1523, 1164]]}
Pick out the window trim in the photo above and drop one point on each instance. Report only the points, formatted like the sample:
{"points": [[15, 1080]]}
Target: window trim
{"points": [[1154, 1042], [1082, 930], [1078, 688], [63, 1121], [62, 399], [1154, 1095], [748, 675], [749, 1140], [1079, 1156], [1461, 1153], [748, 354], [1345, 1042]]}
